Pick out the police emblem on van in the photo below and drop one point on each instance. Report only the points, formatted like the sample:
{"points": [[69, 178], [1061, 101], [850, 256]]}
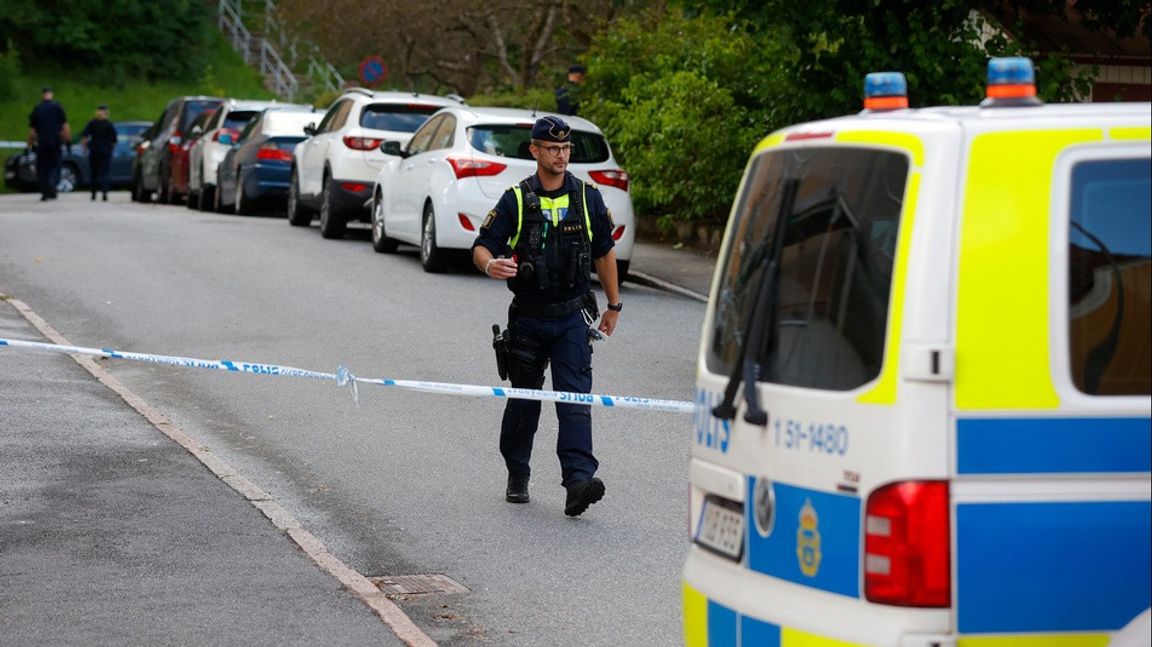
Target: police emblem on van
{"points": [[764, 506], [808, 540]]}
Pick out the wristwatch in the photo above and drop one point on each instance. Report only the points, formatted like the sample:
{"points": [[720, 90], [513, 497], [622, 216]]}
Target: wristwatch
{"points": [[616, 307]]}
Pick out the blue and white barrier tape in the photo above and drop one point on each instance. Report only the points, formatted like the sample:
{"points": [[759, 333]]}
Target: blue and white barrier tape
{"points": [[343, 377]]}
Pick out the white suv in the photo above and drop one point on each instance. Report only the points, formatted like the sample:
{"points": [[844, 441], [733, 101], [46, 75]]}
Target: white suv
{"points": [[334, 170]]}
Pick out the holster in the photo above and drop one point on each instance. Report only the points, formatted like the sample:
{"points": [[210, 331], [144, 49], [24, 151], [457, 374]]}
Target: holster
{"points": [[500, 345]]}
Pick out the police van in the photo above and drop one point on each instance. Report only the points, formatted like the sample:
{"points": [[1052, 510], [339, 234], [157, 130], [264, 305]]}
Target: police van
{"points": [[923, 395]]}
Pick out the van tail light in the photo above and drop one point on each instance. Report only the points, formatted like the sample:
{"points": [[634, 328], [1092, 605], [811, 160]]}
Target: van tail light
{"points": [[467, 167], [618, 233], [907, 545], [362, 143], [270, 152], [466, 222], [616, 178]]}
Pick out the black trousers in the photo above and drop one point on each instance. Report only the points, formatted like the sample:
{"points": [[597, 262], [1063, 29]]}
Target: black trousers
{"points": [[101, 166], [48, 168]]}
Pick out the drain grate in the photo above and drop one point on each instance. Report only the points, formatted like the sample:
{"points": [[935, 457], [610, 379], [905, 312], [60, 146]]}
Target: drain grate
{"points": [[411, 585]]}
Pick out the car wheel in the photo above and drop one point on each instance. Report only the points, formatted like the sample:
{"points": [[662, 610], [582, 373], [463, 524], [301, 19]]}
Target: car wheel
{"points": [[69, 179], [217, 205], [193, 199], [380, 240], [242, 206], [432, 258], [139, 193], [207, 198], [622, 271], [173, 196], [332, 224], [298, 214]]}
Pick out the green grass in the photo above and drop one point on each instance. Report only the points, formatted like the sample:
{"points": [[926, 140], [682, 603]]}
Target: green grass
{"points": [[226, 75]]}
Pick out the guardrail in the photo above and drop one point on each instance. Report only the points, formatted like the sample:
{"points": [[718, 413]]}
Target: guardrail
{"points": [[13, 144]]}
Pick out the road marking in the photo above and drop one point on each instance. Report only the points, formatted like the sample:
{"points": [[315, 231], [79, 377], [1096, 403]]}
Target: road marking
{"points": [[360, 586]]}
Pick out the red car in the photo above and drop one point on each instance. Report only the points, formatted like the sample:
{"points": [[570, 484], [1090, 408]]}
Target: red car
{"points": [[179, 163]]}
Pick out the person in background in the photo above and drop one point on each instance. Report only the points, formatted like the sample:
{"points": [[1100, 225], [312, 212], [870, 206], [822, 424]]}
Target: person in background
{"points": [[99, 139], [48, 131], [568, 95]]}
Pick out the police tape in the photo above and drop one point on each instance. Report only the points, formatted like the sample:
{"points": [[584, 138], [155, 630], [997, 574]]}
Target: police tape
{"points": [[343, 377]]}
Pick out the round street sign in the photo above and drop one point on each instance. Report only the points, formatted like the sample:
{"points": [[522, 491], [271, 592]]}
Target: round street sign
{"points": [[373, 71]]}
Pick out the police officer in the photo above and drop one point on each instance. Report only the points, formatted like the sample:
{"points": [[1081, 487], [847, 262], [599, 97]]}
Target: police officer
{"points": [[99, 137], [568, 95], [543, 238], [48, 130]]}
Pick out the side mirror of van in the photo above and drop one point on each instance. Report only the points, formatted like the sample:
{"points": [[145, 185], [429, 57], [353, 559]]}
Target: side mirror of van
{"points": [[389, 147], [310, 129]]}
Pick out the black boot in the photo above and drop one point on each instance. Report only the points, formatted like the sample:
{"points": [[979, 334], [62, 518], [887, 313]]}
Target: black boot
{"points": [[583, 494], [517, 489]]}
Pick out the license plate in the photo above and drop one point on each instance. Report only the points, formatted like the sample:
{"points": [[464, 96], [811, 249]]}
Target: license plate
{"points": [[721, 529]]}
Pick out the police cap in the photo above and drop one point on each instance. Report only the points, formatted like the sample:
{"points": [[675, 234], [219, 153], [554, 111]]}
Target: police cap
{"points": [[551, 129], [577, 69], [46, 88], [102, 106]]}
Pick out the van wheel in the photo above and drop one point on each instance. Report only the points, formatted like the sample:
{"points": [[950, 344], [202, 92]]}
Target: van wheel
{"points": [[332, 224], [380, 240], [298, 214], [432, 258]]}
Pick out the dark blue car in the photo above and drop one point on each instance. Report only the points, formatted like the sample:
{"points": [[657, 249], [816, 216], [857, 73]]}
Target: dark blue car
{"points": [[257, 171], [20, 169]]}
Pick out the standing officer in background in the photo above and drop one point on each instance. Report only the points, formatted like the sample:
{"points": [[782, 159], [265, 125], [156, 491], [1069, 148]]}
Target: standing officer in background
{"points": [[48, 130], [568, 95], [99, 137], [543, 238]]}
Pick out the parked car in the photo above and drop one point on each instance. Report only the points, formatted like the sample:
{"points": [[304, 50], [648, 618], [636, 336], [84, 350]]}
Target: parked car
{"points": [[207, 151], [255, 172], [179, 174], [152, 167], [435, 191], [20, 169], [335, 168]]}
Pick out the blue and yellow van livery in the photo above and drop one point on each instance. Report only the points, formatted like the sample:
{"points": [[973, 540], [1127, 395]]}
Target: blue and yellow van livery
{"points": [[925, 383]]}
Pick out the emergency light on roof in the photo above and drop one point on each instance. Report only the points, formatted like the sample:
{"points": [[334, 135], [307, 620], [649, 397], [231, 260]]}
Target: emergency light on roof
{"points": [[885, 91], [1011, 82]]}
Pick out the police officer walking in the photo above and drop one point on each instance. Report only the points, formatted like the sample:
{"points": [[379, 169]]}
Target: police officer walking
{"points": [[543, 238], [48, 130], [568, 95], [99, 137]]}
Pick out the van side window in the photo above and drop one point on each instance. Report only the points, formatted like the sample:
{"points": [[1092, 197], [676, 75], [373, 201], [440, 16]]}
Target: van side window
{"points": [[827, 322], [1110, 277]]}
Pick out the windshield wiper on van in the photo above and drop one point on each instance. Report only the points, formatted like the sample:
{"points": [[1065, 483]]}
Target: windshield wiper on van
{"points": [[747, 365]]}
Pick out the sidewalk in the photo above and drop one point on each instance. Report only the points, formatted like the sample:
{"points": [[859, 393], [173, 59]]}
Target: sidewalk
{"points": [[684, 271], [110, 533]]}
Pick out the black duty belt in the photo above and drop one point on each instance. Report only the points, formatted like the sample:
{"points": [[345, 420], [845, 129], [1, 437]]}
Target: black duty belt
{"points": [[548, 310]]}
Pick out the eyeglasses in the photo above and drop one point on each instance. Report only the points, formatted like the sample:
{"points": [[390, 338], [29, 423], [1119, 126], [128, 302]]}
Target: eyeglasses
{"points": [[556, 151]]}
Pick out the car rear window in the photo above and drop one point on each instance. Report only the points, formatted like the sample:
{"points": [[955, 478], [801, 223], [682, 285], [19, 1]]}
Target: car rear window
{"points": [[130, 130], [192, 109], [237, 119], [1110, 274], [404, 118], [825, 311], [512, 140]]}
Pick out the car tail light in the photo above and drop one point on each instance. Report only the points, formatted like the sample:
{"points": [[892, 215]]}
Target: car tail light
{"points": [[362, 143], [618, 233], [174, 140], [466, 222], [907, 545], [271, 152], [354, 187], [617, 178], [467, 167]]}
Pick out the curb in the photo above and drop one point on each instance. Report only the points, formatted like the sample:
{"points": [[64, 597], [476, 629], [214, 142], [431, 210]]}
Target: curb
{"points": [[642, 278]]}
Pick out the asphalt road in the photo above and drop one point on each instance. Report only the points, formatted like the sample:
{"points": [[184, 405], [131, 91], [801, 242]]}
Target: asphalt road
{"points": [[400, 482]]}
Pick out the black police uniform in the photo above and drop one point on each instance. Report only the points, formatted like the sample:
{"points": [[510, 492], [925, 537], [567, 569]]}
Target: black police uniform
{"points": [[546, 321], [48, 119], [101, 136]]}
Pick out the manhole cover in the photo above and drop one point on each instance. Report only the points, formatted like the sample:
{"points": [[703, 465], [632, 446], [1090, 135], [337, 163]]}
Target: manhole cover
{"points": [[410, 585]]}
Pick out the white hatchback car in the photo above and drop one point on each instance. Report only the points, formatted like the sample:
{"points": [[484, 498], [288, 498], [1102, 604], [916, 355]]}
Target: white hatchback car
{"points": [[334, 170], [213, 143], [435, 191]]}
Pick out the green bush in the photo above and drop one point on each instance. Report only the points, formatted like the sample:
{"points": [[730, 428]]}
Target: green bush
{"points": [[9, 71]]}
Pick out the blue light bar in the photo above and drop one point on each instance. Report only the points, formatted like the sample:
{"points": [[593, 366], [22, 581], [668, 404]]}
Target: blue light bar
{"points": [[1012, 70], [885, 84]]}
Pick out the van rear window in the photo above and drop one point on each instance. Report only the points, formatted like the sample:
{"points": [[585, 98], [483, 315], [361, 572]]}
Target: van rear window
{"points": [[825, 311], [1110, 277]]}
